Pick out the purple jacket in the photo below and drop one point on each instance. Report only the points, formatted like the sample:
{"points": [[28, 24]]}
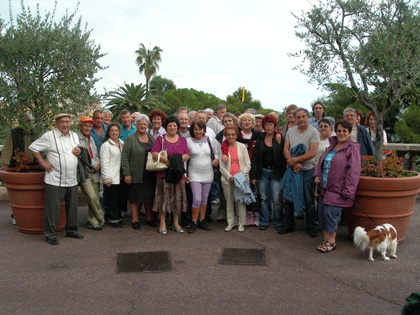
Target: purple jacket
{"points": [[343, 176]]}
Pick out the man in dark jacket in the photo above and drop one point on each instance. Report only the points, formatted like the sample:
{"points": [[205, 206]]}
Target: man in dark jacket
{"points": [[359, 133]]}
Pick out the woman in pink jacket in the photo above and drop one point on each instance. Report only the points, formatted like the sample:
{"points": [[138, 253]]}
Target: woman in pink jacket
{"points": [[338, 172]]}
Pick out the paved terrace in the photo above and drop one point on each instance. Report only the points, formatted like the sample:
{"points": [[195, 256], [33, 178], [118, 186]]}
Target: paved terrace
{"points": [[79, 276]]}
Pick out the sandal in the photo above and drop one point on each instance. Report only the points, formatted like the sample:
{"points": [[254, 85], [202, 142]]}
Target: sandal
{"points": [[328, 247], [321, 246]]}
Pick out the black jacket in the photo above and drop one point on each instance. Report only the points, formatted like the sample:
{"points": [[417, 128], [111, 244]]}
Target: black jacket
{"points": [[257, 159], [175, 170]]}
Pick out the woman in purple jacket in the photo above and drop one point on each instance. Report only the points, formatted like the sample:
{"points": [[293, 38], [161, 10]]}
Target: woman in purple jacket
{"points": [[338, 172]]}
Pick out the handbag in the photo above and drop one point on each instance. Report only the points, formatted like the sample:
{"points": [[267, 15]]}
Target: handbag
{"points": [[154, 166], [216, 169]]}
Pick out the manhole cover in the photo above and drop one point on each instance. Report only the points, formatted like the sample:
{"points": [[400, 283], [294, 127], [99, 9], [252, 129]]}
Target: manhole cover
{"points": [[241, 256], [143, 262]]}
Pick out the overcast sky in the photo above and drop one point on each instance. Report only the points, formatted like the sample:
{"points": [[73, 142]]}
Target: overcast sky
{"points": [[215, 46]]}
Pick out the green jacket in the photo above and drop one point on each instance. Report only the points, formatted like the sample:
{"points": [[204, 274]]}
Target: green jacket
{"points": [[133, 158]]}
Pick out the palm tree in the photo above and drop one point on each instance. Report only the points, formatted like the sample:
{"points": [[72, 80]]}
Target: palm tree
{"points": [[132, 97], [148, 60]]}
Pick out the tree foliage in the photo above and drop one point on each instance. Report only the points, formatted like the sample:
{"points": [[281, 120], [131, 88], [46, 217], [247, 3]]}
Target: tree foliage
{"points": [[46, 66], [189, 98], [159, 85], [408, 127], [132, 97], [148, 62], [234, 101], [374, 46]]}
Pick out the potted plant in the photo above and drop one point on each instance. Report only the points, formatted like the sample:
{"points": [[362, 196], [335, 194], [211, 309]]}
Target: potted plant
{"points": [[26, 190], [386, 194]]}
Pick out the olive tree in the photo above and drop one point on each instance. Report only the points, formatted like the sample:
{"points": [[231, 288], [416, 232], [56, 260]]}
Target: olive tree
{"points": [[46, 66], [372, 46]]}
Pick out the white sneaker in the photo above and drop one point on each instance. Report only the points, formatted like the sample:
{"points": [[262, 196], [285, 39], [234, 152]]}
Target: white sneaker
{"points": [[241, 228], [215, 201], [13, 221], [229, 227]]}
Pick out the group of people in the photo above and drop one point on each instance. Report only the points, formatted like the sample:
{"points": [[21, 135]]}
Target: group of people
{"points": [[211, 156]]}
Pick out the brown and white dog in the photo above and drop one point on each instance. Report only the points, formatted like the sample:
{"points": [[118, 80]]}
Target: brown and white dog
{"points": [[380, 238]]}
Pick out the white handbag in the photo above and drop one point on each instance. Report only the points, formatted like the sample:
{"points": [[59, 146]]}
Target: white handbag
{"points": [[154, 166]]}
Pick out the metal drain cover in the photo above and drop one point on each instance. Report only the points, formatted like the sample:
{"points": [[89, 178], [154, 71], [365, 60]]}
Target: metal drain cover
{"points": [[242, 256], [143, 262]]}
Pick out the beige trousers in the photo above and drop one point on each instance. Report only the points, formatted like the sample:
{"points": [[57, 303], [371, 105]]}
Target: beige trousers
{"points": [[229, 191]]}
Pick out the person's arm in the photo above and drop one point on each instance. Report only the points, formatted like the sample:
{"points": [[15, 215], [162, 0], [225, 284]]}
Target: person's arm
{"points": [[354, 167], [46, 165], [313, 149]]}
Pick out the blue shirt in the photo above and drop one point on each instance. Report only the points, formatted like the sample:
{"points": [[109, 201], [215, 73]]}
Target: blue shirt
{"points": [[98, 140], [326, 166], [125, 133], [313, 122]]}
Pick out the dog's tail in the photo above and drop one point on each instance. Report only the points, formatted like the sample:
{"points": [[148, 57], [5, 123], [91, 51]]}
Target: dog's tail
{"points": [[361, 239]]}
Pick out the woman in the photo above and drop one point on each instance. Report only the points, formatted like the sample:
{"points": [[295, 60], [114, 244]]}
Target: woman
{"points": [[157, 117], [267, 169], [107, 116], [238, 161], [170, 197], [371, 122], [247, 134], [338, 174], [200, 172], [142, 184], [291, 121], [325, 127], [110, 173]]}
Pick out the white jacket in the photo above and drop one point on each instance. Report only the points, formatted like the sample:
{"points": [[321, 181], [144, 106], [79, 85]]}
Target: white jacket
{"points": [[111, 162], [244, 163]]}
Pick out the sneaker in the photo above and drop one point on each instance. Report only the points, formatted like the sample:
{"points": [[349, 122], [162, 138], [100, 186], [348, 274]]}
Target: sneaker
{"points": [[192, 227], [285, 229], [229, 227], [202, 225], [215, 201], [241, 228], [135, 225], [96, 227]]}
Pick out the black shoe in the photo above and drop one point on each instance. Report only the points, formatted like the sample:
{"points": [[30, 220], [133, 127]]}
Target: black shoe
{"points": [[52, 241], [263, 227], [285, 229], [116, 225], [192, 227], [136, 226], [152, 223], [202, 225], [312, 232], [209, 220], [74, 234]]}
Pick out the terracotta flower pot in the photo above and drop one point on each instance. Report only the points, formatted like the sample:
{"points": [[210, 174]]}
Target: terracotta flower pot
{"points": [[385, 200], [26, 197]]}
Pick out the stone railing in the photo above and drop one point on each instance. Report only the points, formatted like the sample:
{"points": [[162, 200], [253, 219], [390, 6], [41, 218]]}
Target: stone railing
{"points": [[408, 152]]}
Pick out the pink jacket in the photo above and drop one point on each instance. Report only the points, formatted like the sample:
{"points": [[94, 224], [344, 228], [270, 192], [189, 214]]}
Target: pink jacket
{"points": [[343, 176]]}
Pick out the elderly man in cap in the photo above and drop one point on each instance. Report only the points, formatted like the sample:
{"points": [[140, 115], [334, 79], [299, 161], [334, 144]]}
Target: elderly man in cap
{"points": [[61, 147], [89, 165]]}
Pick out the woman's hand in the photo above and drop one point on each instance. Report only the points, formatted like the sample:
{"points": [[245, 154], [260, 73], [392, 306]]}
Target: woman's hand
{"points": [[225, 158], [253, 181], [215, 162], [127, 179], [165, 160], [316, 180], [187, 180], [278, 138], [108, 185], [231, 180]]}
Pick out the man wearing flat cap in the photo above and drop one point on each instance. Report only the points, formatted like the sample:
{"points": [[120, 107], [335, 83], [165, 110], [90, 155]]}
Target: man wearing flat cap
{"points": [[61, 148]]}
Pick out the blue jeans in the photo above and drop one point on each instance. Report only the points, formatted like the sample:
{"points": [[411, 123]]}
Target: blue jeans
{"points": [[269, 188], [308, 195]]}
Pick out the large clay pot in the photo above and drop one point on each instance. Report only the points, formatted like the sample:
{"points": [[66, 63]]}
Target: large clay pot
{"points": [[385, 200], [26, 197]]}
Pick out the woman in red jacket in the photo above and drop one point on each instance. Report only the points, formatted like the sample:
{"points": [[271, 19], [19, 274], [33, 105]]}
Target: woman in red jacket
{"points": [[338, 173]]}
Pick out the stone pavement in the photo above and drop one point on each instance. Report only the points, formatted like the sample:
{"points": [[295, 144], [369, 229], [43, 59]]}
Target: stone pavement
{"points": [[79, 276]]}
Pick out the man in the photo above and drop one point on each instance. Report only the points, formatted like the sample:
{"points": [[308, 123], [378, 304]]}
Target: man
{"points": [[359, 134], [61, 148], [191, 117], [183, 122], [181, 110], [127, 126], [89, 181], [215, 122], [318, 111], [201, 115], [133, 116], [307, 135], [99, 129], [258, 123], [251, 111], [227, 120], [209, 114]]}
